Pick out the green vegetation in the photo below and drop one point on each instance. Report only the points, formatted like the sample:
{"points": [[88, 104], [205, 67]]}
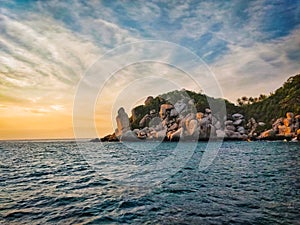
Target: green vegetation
{"points": [[267, 108]]}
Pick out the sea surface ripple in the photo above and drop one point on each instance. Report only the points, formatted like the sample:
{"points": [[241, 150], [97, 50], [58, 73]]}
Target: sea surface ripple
{"points": [[50, 182]]}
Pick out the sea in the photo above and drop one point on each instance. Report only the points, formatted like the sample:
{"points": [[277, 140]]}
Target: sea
{"points": [[79, 182]]}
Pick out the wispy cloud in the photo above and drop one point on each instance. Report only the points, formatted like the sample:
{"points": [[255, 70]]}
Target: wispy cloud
{"points": [[261, 68], [46, 46], [39, 54]]}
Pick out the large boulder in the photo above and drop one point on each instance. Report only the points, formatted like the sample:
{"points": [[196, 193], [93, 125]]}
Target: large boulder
{"points": [[290, 115], [228, 123], [241, 130], [123, 124], [277, 123], [229, 133], [267, 133], [207, 111], [230, 127], [252, 125], [237, 116], [288, 122], [154, 122], [238, 122], [128, 136], [165, 110], [173, 113], [180, 106], [145, 120], [176, 135], [204, 122], [148, 100]]}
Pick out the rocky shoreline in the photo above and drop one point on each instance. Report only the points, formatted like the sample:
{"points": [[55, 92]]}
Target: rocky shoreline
{"points": [[180, 121]]}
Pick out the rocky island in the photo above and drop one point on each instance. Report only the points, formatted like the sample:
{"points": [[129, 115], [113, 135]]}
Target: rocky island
{"points": [[186, 115]]}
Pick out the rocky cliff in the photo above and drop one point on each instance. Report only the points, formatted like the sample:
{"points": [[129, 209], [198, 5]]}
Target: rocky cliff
{"points": [[186, 115]]}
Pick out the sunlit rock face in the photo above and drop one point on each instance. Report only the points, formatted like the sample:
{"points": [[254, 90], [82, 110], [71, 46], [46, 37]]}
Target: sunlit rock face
{"points": [[287, 127], [123, 124], [165, 110]]}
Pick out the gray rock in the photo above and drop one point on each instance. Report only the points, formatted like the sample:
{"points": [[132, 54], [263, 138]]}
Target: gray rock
{"points": [[144, 120], [154, 122], [207, 110], [230, 127], [277, 123], [173, 113], [180, 106], [128, 136], [164, 109], [228, 122], [229, 133], [237, 116], [122, 122], [204, 122], [136, 131], [241, 130], [236, 135], [238, 122]]}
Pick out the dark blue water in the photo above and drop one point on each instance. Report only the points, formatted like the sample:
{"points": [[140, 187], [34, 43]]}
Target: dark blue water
{"points": [[52, 183]]}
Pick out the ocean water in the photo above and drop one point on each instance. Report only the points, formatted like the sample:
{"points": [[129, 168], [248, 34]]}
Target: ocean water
{"points": [[62, 182]]}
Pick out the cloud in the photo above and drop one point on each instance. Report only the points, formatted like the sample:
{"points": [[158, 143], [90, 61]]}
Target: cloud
{"points": [[46, 46], [93, 20], [39, 54], [261, 68]]}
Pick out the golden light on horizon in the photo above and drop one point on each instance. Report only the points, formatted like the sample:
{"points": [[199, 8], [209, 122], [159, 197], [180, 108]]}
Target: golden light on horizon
{"points": [[22, 124]]}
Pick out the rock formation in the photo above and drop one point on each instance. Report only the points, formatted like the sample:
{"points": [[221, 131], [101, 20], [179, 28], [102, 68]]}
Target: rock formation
{"points": [[234, 128], [123, 131], [283, 128], [180, 121]]}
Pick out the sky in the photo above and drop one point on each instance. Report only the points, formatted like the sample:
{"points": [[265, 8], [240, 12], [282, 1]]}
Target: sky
{"points": [[47, 47]]}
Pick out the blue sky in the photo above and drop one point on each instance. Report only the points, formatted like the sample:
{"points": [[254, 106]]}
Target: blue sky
{"points": [[251, 47]]}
